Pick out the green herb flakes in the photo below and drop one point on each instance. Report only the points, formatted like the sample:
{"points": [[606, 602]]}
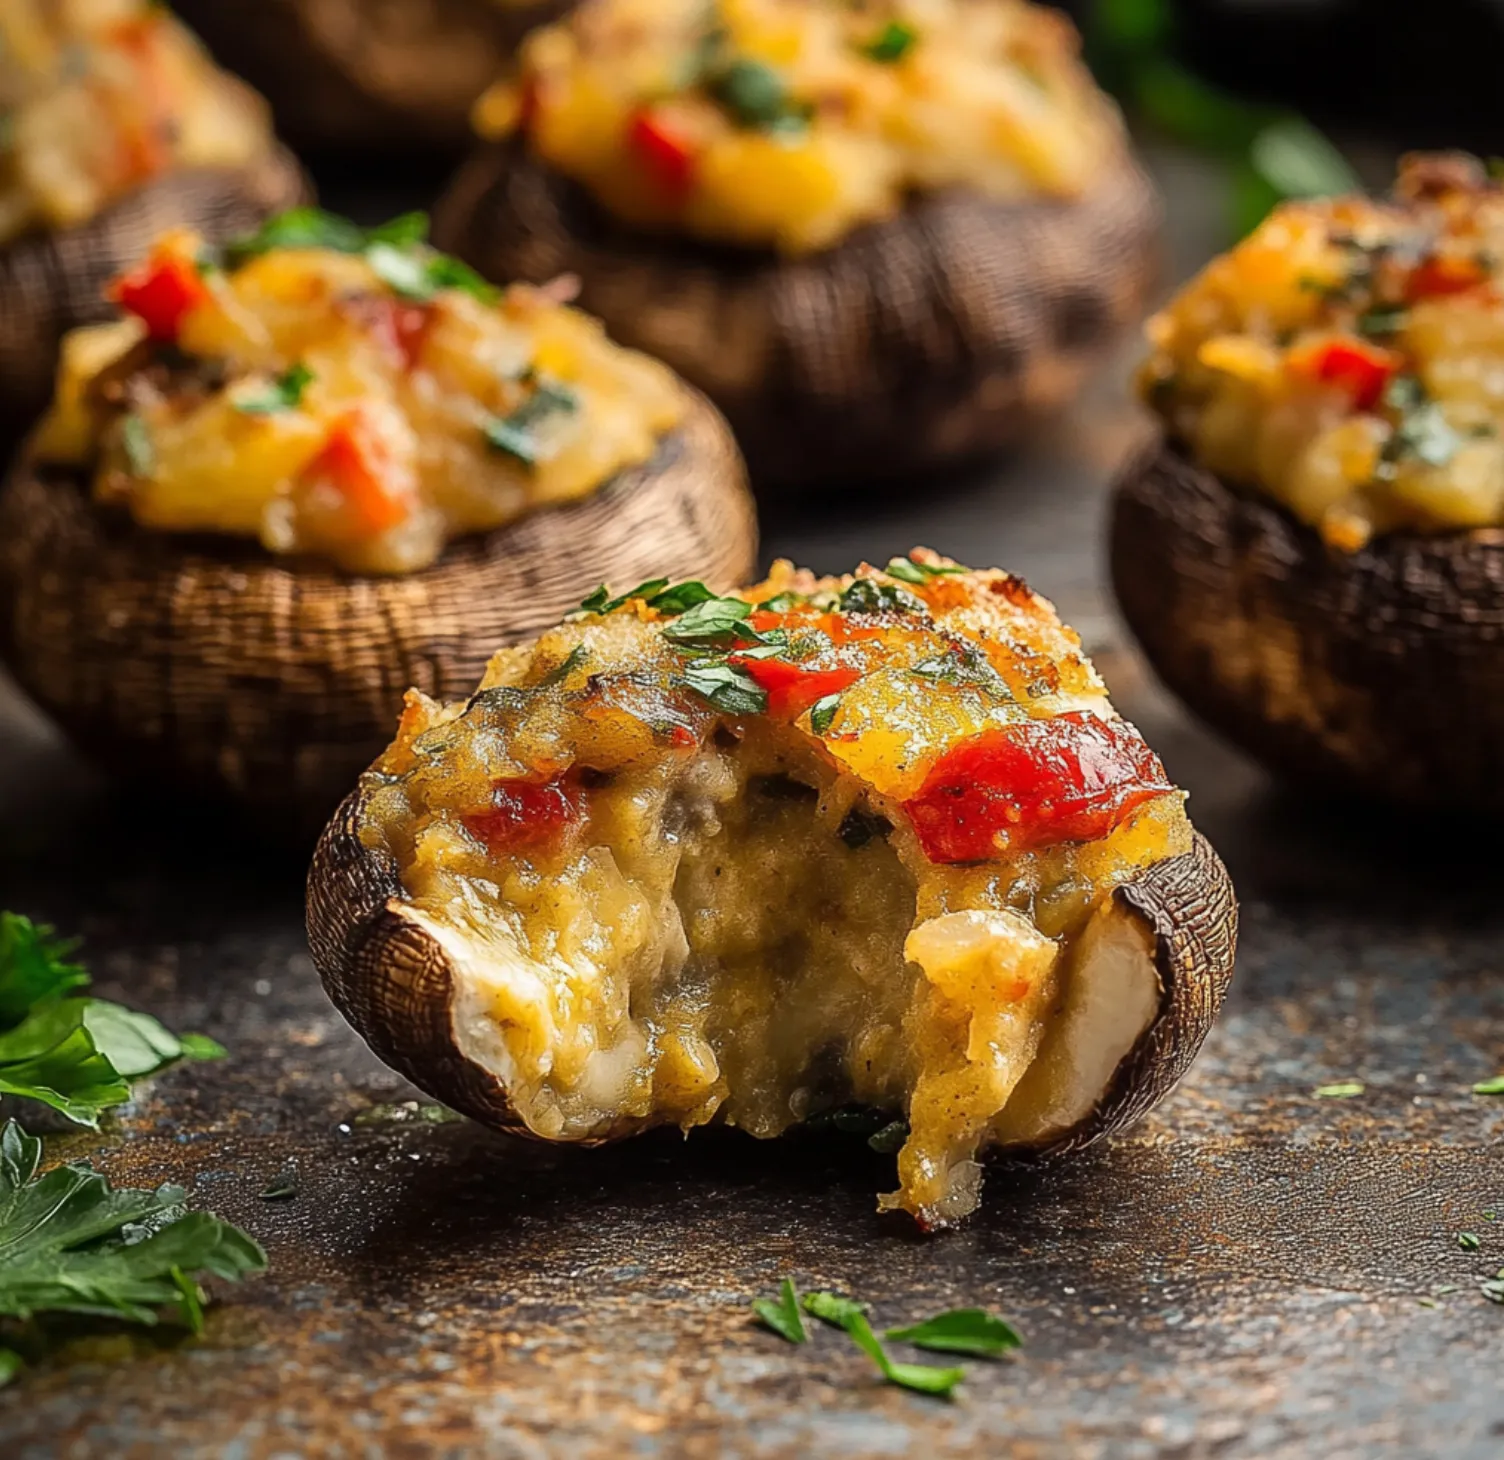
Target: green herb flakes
{"points": [[517, 434], [830, 1308], [726, 687], [136, 442], [782, 1315], [892, 43], [867, 595], [1494, 1086], [961, 1331], [756, 96], [285, 393], [1469, 1241], [823, 713], [921, 1378], [715, 623], [908, 571], [964, 666], [1345, 1090]]}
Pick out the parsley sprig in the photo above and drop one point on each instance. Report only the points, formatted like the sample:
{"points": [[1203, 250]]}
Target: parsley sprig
{"points": [[74, 1054], [71, 1243], [285, 393], [970, 1331]]}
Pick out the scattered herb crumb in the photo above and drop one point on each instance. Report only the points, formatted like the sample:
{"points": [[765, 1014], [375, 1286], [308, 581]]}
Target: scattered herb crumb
{"points": [[1469, 1241], [1345, 1090], [890, 1139], [782, 1315], [283, 1186]]}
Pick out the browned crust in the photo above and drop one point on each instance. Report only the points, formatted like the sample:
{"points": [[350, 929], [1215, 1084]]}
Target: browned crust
{"points": [[51, 283], [933, 337], [1379, 672], [205, 661], [395, 985], [352, 76]]}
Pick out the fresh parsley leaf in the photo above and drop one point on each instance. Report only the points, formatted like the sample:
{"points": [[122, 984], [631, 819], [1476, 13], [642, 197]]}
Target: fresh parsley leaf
{"points": [[74, 1054], [1490, 1087], [1345, 1090], [1469, 1241], [823, 714], [727, 688], [964, 666], [961, 1331], [298, 228], [516, 434], [781, 602], [755, 95], [833, 1309], [892, 43], [285, 393], [71, 1243], [782, 1315], [1385, 321], [922, 1378], [889, 1141], [867, 595], [680, 597], [136, 442], [908, 571], [560, 672], [717, 623]]}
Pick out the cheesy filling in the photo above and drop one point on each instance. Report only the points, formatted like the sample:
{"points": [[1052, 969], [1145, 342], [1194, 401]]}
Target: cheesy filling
{"points": [[348, 395], [1345, 358], [788, 123], [100, 96], [694, 917]]}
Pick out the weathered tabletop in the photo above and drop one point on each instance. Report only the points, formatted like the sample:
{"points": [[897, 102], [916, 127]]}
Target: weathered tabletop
{"points": [[1253, 1272]]}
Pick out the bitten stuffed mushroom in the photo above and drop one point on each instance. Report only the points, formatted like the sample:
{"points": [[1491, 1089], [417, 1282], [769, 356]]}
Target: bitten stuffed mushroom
{"points": [[1313, 558], [880, 236], [879, 839], [372, 78], [116, 126], [314, 468]]}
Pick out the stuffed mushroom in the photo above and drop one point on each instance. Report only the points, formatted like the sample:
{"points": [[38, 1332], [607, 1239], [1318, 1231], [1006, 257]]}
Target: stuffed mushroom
{"points": [[1313, 557], [351, 76], [879, 839], [881, 236], [314, 468], [116, 127]]}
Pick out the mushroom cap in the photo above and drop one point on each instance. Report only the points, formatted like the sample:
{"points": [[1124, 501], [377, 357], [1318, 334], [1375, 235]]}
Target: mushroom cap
{"points": [[210, 663], [54, 282], [388, 970], [1379, 672], [930, 338], [350, 76]]}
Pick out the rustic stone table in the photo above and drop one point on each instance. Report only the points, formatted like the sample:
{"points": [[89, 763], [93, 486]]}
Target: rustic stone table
{"points": [[1252, 1272]]}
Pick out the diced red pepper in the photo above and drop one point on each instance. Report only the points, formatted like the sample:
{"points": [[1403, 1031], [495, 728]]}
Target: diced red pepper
{"points": [[1445, 274], [668, 156], [1031, 785], [161, 293], [794, 688], [1360, 368], [405, 327], [528, 815], [356, 463]]}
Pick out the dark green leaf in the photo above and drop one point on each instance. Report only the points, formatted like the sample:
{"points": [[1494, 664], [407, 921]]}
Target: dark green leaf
{"points": [[727, 688], [892, 43], [408, 230], [11, 1364], [890, 1139], [136, 442], [867, 595], [298, 228], [715, 623], [285, 393], [680, 597], [1469, 1241], [781, 602], [34, 966], [754, 93], [560, 672], [961, 1331], [921, 1378], [782, 1315], [1383, 322], [1134, 24], [51, 1057], [282, 1187], [964, 666], [190, 1301], [516, 434], [823, 714]]}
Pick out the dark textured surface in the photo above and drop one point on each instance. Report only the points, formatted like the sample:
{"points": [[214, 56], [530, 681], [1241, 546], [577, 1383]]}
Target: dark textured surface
{"points": [[1243, 1277], [1381, 670]]}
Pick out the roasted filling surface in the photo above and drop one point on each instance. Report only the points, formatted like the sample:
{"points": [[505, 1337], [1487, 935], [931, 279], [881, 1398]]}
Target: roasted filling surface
{"points": [[790, 122], [100, 96], [752, 859], [1345, 358], [347, 394]]}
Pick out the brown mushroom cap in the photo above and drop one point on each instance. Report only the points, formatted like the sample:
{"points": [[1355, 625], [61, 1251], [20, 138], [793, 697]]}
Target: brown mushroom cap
{"points": [[352, 76], [54, 282], [1379, 672], [393, 979], [933, 337], [206, 661]]}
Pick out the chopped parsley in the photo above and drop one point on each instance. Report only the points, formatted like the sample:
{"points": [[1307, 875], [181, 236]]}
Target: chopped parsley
{"points": [[906, 570], [726, 687], [851, 1316], [285, 393], [867, 595], [756, 96], [71, 1243], [1422, 432], [1469, 1241], [783, 1315], [719, 623], [1490, 1087], [516, 434], [961, 1331], [1345, 1090], [74, 1054], [560, 672], [136, 442], [823, 714], [964, 666], [892, 43]]}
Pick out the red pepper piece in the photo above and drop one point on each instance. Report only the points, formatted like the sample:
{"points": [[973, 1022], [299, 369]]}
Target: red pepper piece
{"points": [[357, 465], [161, 293], [1444, 274], [528, 815], [668, 156], [794, 688], [1362, 369], [1031, 785]]}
